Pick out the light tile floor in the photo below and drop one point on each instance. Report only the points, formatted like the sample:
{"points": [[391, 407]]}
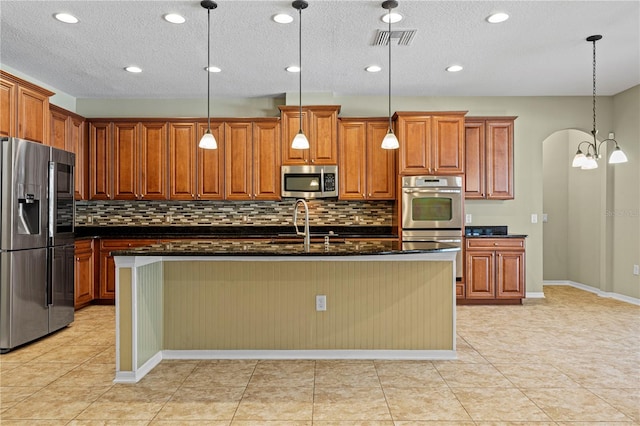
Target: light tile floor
{"points": [[572, 358]]}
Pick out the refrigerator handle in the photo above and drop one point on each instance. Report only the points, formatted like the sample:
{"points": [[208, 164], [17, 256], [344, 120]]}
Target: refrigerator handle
{"points": [[49, 285], [52, 201]]}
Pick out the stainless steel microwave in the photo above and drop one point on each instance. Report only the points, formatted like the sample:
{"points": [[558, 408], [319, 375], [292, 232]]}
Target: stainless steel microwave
{"points": [[309, 181]]}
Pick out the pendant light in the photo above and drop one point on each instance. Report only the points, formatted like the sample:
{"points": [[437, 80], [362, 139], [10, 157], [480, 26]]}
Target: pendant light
{"points": [[390, 141], [300, 141], [208, 141], [588, 160]]}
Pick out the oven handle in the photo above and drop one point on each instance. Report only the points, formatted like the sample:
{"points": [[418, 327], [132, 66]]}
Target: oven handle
{"points": [[423, 240], [431, 191]]}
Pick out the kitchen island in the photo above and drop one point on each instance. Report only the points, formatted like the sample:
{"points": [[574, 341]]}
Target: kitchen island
{"points": [[211, 299]]}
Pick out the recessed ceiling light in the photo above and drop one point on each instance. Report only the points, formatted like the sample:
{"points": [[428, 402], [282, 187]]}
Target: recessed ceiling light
{"points": [[212, 69], [283, 18], [395, 17], [133, 69], [174, 18], [373, 68], [293, 68], [454, 68], [496, 18], [66, 18]]}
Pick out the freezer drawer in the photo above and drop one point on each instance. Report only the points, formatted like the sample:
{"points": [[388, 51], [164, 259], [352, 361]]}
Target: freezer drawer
{"points": [[24, 315], [61, 301]]}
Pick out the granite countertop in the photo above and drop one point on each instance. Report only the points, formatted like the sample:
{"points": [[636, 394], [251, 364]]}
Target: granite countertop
{"points": [[498, 236], [276, 248], [228, 232]]}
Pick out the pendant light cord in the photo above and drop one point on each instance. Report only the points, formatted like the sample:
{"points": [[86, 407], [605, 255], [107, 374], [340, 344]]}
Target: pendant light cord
{"points": [[300, 65], [594, 93], [389, 42], [208, 69]]}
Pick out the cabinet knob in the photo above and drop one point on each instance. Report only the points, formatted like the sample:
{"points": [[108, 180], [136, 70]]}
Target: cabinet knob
{"points": [[495, 244], [313, 161]]}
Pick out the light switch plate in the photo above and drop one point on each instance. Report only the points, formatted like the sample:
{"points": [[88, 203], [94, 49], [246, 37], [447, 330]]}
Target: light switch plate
{"points": [[545, 218], [534, 218]]}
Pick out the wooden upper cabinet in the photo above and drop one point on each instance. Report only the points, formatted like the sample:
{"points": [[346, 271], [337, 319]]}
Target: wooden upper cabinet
{"points": [[266, 160], [68, 133], [24, 109], [210, 170], [252, 160], [489, 158], [59, 129], [320, 125], [366, 170], [238, 175], [431, 143], [182, 161], [381, 163], [8, 107], [153, 161], [125, 160], [100, 161], [352, 171]]}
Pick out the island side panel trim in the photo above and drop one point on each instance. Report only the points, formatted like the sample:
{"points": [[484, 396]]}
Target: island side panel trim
{"points": [[383, 305], [149, 304], [124, 321]]}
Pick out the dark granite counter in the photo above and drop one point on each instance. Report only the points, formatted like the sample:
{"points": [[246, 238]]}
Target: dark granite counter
{"points": [[228, 232], [277, 248], [497, 236]]}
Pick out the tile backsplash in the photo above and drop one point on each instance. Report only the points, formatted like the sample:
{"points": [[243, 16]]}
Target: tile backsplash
{"points": [[219, 213]]}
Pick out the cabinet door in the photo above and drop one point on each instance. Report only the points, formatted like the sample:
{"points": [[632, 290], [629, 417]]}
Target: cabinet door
{"points": [[211, 164], [266, 160], [324, 136], [414, 135], [447, 145], [353, 160], [8, 108], [59, 129], [474, 172], [381, 164], [480, 277], [182, 161], [33, 115], [100, 161], [500, 160], [84, 273], [78, 143], [125, 160], [510, 275], [290, 128], [238, 164], [107, 282], [153, 161]]}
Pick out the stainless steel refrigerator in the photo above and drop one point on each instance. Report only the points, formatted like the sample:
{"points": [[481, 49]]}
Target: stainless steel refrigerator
{"points": [[36, 241]]}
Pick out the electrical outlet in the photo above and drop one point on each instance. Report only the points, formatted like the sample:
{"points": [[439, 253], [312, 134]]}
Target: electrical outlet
{"points": [[545, 218], [321, 302], [636, 269], [534, 218], [89, 219], [169, 218], [468, 218]]}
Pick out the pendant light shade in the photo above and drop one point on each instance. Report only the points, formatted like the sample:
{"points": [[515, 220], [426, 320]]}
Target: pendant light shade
{"points": [[300, 141], [208, 141], [390, 141], [588, 159]]}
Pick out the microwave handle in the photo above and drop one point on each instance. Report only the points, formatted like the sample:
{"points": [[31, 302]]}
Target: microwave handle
{"points": [[322, 181]]}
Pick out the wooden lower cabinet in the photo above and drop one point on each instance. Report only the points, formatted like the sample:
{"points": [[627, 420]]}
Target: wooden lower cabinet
{"points": [[495, 270], [84, 273], [106, 285]]}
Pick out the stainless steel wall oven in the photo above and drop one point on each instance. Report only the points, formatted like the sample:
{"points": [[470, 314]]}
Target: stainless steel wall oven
{"points": [[432, 213]]}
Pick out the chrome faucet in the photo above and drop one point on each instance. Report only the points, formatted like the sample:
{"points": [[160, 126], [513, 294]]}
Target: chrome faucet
{"points": [[306, 234]]}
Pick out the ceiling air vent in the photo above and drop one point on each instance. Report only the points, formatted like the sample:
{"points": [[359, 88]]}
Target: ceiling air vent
{"points": [[404, 37]]}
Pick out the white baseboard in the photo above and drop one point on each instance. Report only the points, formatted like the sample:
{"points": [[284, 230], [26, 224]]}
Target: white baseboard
{"points": [[616, 296], [311, 354], [534, 295], [136, 376]]}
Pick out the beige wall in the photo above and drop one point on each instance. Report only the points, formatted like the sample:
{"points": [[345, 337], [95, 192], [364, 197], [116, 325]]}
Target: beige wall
{"points": [[593, 233]]}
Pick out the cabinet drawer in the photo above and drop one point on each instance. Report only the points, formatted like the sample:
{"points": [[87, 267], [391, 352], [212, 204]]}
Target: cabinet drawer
{"points": [[495, 243]]}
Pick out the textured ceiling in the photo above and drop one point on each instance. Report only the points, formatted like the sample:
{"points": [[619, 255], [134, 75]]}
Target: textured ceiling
{"points": [[541, 50]]}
